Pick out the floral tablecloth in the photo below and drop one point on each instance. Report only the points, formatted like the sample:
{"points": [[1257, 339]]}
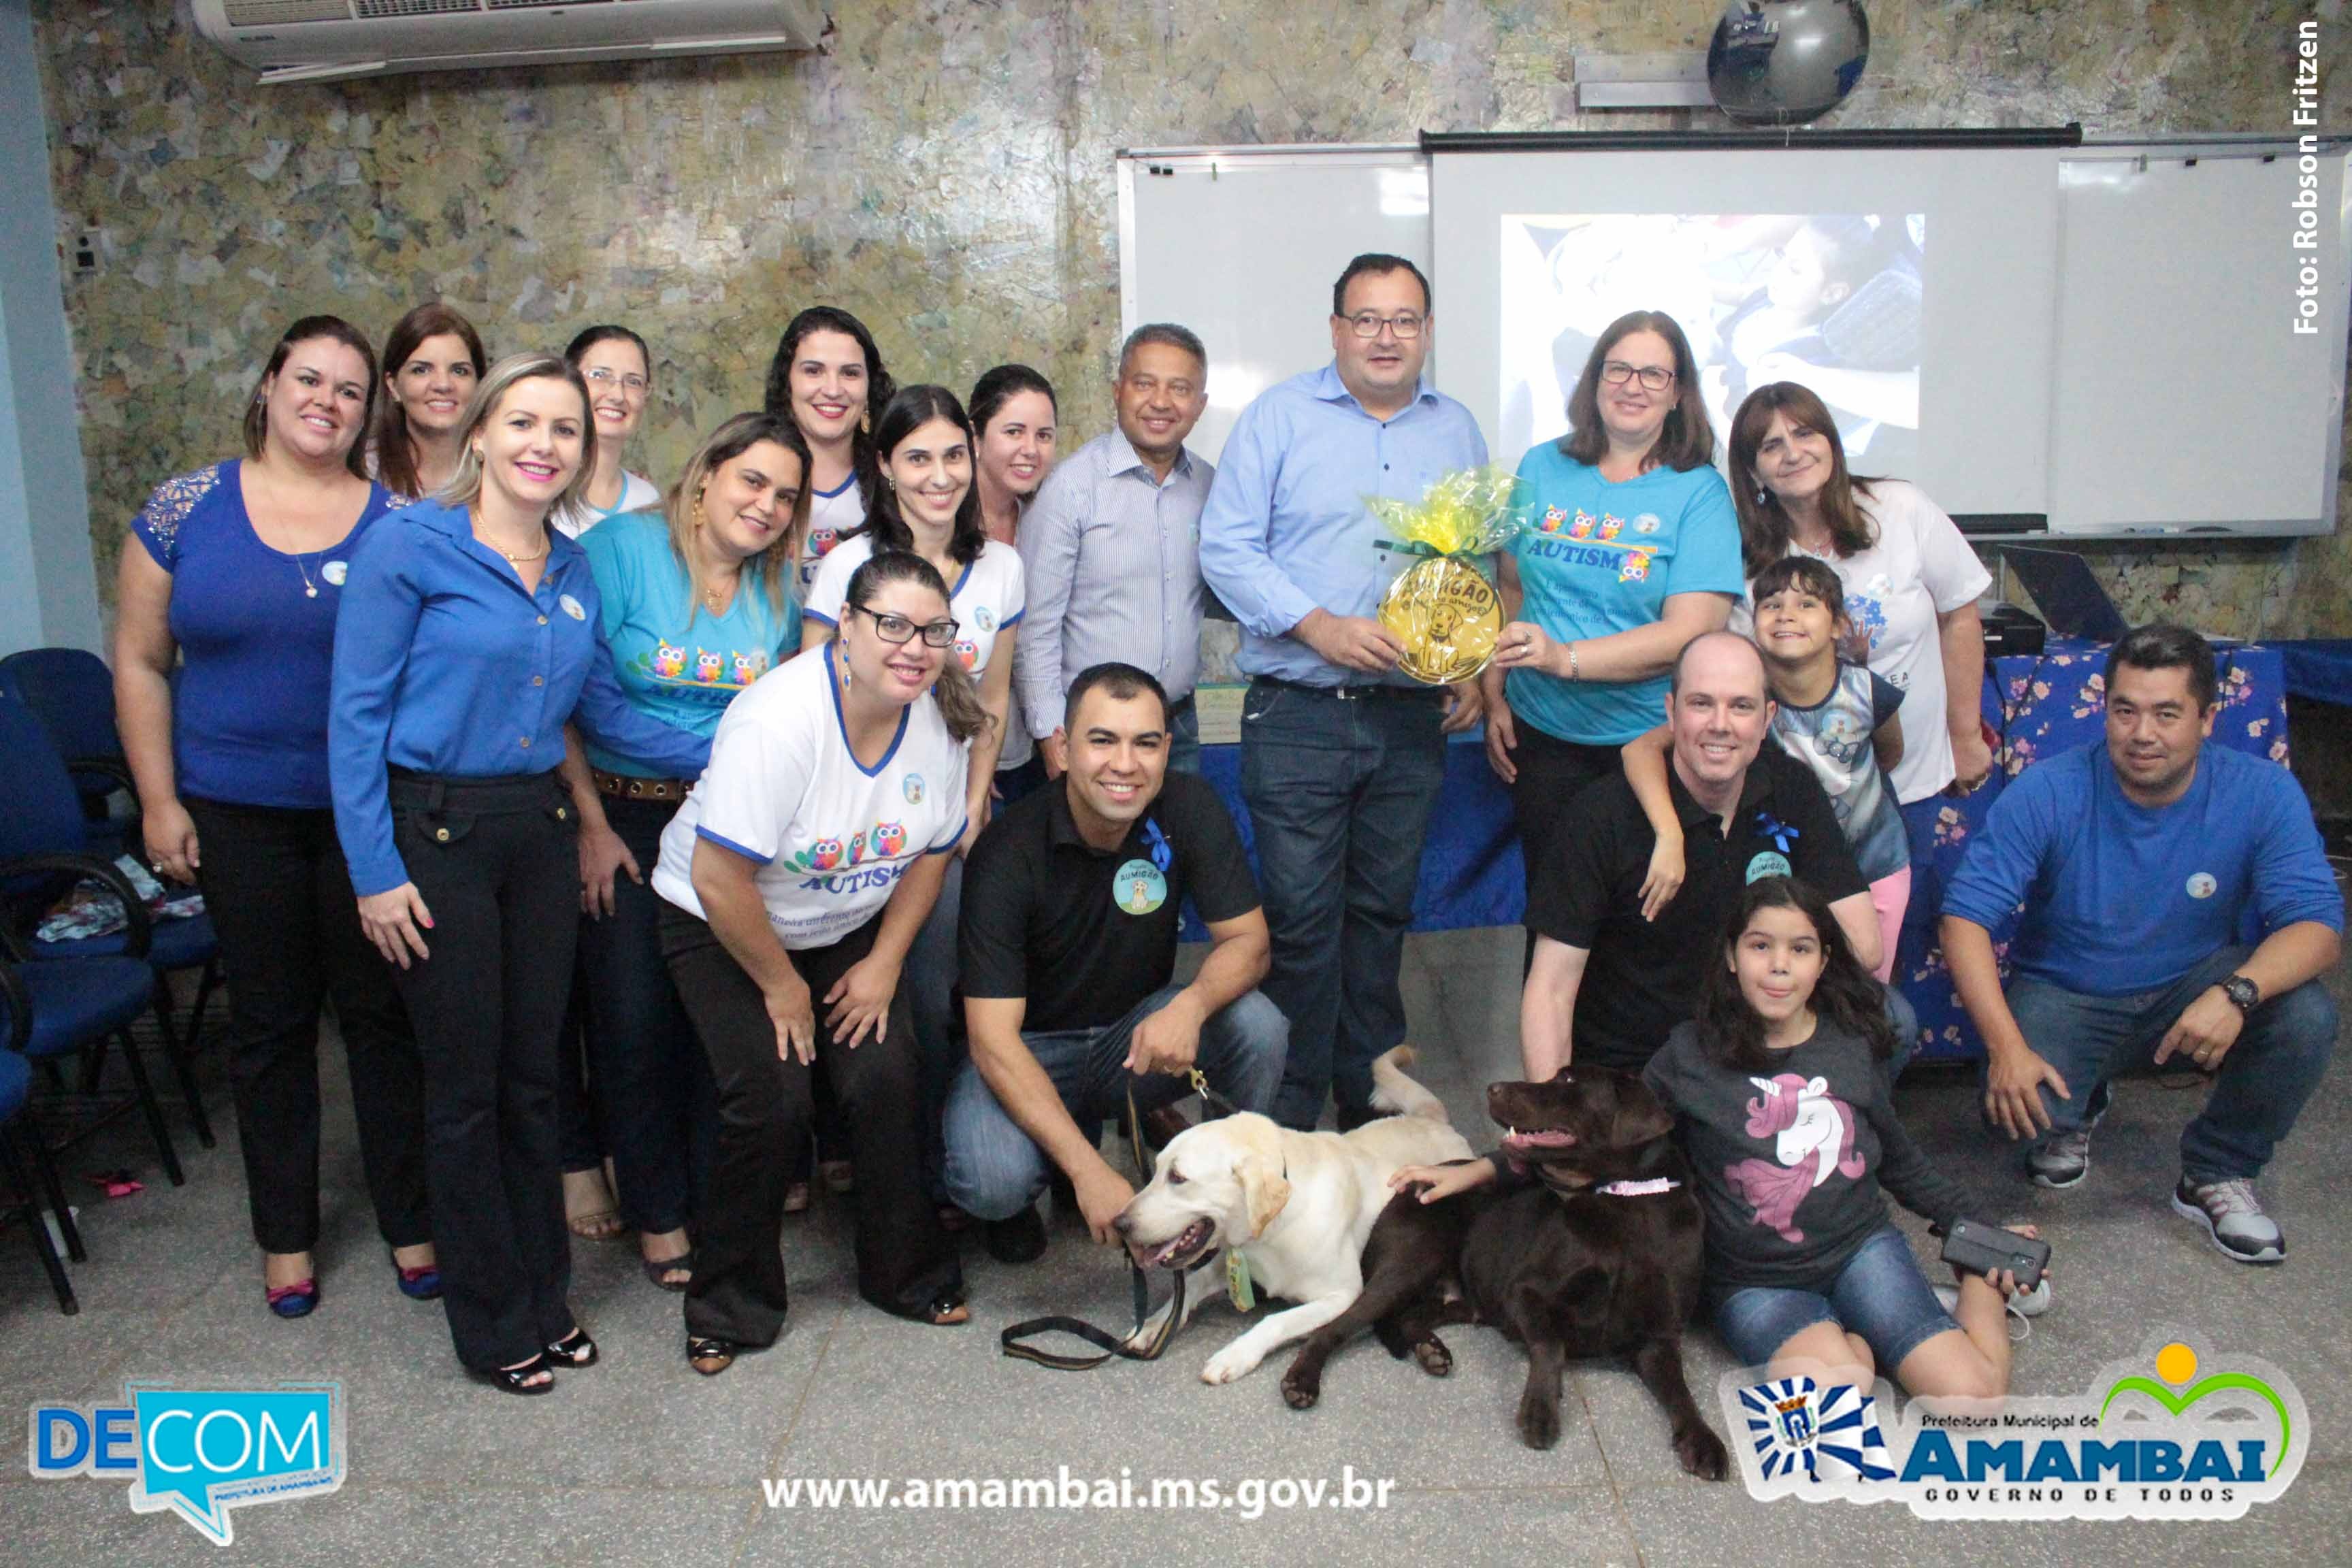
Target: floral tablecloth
{"points": [[2040, 705]]}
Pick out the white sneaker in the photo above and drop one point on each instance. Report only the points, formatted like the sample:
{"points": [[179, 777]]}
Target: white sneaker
{"points": [[2025, 1304]]}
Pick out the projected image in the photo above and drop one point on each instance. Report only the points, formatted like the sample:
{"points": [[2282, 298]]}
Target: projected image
{"points": [[1831, 301]]}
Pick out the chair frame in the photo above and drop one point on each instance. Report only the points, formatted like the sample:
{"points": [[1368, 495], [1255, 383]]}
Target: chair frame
{"points": [[28, 1207]]}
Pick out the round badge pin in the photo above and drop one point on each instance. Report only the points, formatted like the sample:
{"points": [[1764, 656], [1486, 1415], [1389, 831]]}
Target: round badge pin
{"points": [[2201, 885], [572, 608], [334, 572], [1770, 863], [1139, 888]]}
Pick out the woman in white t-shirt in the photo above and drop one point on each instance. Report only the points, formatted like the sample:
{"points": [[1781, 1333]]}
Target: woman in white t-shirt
{"points": [[1013, 415], [1911, 580], [931, 505], [1911, 586], [798, 871], [618, 370], [828, 376]]}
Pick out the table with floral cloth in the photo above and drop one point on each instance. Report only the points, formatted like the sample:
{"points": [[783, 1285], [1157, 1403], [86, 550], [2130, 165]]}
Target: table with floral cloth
{"points": [[2039, 705]]}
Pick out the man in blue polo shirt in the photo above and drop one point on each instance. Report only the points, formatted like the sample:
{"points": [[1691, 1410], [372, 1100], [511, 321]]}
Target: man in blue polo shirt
{"points": [[1343, 755], [2138, 865]]}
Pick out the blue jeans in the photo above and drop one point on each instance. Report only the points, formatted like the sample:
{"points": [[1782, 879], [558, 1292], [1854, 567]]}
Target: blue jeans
{"points": [[1339, 790], [1184, 737], [2256, 1095], [994, 1171], [1880, 1294]]}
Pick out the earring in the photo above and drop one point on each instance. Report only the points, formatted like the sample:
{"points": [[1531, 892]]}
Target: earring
{"points": [[888, 483]]}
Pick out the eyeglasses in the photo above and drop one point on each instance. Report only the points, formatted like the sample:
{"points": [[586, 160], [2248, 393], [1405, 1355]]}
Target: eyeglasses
{"points": [[1368, 323], [600, 376], [899, 631], [1617, 373]]}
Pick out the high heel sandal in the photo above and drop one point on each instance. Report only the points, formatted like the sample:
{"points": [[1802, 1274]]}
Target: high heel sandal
{"points": [[574, 1350], [718, 1353], [517, 1379], [947, 1310]]}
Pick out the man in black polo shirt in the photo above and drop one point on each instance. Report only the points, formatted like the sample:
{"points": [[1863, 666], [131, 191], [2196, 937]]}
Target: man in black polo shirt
{"points": [[1610, 984], [1068, 933]]}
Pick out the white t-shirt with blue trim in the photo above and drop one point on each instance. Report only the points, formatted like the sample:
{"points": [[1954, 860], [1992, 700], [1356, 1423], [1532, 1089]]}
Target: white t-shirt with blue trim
{"points": [[831, 837], [986, 599]]}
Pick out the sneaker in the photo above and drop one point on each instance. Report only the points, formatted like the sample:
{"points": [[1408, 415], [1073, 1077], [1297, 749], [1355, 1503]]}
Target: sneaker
{"points": [[2023, 1305], [2064, 1158], [2233, 1218], [1021, 1239]]}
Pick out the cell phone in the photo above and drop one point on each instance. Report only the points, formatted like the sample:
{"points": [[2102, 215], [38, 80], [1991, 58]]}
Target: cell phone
{"points": [[1982, 1249]]}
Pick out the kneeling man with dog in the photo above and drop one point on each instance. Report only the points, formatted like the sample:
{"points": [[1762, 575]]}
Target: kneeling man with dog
{"points": [[1068, 942]]}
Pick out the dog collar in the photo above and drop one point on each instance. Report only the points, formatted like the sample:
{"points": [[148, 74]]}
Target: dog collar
{"points": [[1650, 1188]]}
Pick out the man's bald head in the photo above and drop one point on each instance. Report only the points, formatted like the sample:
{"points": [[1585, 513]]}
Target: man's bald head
{"points": [[1723, 650]]}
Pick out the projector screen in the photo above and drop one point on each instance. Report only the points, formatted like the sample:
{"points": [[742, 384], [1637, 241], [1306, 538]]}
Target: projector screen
{"points": [[1913, 290]]}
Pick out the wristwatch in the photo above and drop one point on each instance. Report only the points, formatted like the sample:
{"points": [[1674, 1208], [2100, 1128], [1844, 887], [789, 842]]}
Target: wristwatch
{"points": [[2242, 993]]}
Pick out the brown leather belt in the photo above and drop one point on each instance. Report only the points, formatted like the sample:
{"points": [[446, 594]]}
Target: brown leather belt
{"points": [[624, 787]]}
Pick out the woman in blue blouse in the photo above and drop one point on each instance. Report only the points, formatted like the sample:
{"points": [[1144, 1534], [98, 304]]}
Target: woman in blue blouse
{"points": [[235, 582], [474, 634], [1631, 549], [697, 605]]}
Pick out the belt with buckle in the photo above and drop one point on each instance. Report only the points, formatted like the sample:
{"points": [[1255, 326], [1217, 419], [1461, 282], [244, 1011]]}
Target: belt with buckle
{"points": [[1357, 691], [623, 787]]}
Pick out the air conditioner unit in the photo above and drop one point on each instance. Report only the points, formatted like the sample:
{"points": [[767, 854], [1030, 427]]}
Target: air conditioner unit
{"points": [[319, 41]]}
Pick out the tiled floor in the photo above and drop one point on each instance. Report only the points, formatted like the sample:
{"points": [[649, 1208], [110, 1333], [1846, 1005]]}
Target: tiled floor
{"points": [[639, 1460]]}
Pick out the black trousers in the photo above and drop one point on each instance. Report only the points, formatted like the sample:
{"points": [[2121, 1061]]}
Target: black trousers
{"points": [[647, 1080], [496, 863], [280, 898], [1551, 773], [904, 1258]]}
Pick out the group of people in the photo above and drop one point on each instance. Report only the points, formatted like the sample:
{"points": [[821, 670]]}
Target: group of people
{"points": [[841, 798]]}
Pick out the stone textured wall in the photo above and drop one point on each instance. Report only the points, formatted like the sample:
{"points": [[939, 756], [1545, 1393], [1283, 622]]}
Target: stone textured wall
{"points": [[945, 171]]}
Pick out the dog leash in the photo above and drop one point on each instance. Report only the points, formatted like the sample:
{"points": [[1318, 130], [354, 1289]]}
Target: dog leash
{"points": [[1139, 1282]]}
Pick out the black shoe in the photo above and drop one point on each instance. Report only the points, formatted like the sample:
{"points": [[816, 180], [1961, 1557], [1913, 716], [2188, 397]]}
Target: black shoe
{"points": [[1021, 1239]]}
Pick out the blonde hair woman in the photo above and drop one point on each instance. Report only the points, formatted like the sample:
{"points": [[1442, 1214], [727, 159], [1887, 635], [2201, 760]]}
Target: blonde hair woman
{"points": [[474, 632]]}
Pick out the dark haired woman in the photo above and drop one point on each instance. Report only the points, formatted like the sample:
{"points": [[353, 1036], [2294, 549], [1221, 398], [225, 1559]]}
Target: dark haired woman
{"points": [[698, 606], [1911, 583], [618, 370], [1013, 414], [234, 592], [828, 378], [799, 870], [432, 362], [1631, 551], [930, 507], [475, 635]]}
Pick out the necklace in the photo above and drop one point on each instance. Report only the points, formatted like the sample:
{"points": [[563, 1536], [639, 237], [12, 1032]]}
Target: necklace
{"points": [[545, 545], [309, 589]]}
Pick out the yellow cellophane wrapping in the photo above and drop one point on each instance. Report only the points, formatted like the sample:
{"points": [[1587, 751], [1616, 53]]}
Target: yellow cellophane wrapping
{"points": [[1442, 607]]}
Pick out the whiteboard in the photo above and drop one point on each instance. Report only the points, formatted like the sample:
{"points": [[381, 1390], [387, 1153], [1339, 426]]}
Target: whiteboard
{"points": [[2185, 399], [1243, 247]]}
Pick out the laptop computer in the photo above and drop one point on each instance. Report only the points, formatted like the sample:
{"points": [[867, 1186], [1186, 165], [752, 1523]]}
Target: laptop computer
{"points": [[2069, 597]]}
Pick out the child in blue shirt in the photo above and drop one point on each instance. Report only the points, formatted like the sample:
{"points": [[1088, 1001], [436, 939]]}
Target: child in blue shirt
{"points": [[1836, 718]]}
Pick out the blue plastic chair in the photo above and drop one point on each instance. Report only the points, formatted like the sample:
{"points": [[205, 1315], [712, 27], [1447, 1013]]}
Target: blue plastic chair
{"points": [[78, 995], [43, 823], [72, 692], [15, 1089]]}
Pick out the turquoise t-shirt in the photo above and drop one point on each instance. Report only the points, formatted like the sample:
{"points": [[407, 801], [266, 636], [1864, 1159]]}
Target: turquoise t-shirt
{"points": [[1598, 558], [677, 661]]}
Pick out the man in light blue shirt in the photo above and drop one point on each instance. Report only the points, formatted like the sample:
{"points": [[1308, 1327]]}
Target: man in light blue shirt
{"points": [[1343, 755], [1111, 549]]}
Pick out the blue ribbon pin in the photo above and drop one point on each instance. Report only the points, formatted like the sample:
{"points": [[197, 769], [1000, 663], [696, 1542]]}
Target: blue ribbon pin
{"points": [[1779, 832], [1161, 852]]}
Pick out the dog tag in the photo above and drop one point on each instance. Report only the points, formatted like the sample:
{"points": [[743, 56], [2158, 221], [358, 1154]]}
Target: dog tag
{"points": [[1237, 1282]]}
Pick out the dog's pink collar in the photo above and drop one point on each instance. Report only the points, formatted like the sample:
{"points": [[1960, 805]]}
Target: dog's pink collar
{"points": [[1650, 1188]]}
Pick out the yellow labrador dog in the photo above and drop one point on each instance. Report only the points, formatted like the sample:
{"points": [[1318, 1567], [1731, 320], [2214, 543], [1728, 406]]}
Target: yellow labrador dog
{"points": [[1295, 1206]]}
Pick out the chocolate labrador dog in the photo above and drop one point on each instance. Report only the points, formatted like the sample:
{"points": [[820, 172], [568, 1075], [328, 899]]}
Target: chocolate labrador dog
{"points": [[1590, 1246]]}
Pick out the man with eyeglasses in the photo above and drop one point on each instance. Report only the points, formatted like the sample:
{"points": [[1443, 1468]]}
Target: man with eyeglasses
{"points": [[1343, 755]]}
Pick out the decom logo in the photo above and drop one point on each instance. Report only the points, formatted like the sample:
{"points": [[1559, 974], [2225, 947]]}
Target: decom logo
{"points": [[2174, 1433], [198, 1452]]}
